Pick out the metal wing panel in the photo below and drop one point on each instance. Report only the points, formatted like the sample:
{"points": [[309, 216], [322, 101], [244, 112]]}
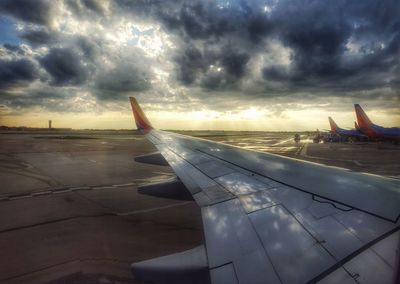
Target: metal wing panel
{"points": [[293, 200], [228, 231], [256, 201], [364, 226], [255, 268], [194, 180], [336, 238], [238, 183], [385, 249], [375, 264], [223, 274], [230, 238], [214, 169], [369, 268], [338, 276], [295, 254]]}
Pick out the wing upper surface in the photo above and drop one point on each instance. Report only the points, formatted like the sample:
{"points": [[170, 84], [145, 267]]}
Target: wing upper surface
{"points": [[269, 219]]}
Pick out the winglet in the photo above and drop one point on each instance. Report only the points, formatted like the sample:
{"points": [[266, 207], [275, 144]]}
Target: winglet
{"points": [[333, 124], [356, 126], [141, 120], [362, 118]]}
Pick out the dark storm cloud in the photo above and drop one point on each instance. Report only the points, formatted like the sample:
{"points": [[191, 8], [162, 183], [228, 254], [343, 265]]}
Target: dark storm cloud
{"points": [[227, 68], [190, 63], [39, 36], [125, 78], [49, 98], [90, 48], [215, 69], [317, 33], [83, 8], [93, 5], [319, 38], [259, 27], [234, 62], [202, 20], [65, 66], [16, 72], [12, 48], [37, 12]]}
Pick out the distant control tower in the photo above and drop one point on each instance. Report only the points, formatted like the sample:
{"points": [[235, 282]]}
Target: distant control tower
{"points": [[49, 124]]}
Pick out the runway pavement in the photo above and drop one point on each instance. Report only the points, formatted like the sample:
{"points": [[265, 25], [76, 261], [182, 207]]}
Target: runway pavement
{"points": [[70, 211]]}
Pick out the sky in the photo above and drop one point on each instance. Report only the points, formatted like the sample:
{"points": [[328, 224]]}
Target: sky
{"points": [[218, 65]]}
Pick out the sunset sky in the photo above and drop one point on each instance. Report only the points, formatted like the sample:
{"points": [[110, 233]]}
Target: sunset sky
{"points": [[233, 65]]}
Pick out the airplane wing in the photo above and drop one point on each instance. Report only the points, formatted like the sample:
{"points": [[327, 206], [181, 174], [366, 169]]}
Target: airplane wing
{"points": [[272, 219]]}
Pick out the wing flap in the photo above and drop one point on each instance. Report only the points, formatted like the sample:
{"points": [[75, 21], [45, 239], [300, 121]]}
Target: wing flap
{"points": [[223, 274], [296, 255], [228, 231], [255, 268]]}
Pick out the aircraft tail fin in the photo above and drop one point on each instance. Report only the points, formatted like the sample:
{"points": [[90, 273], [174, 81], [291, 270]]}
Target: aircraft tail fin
{"points": [[141, 120], [333, 124], [362, 118]]}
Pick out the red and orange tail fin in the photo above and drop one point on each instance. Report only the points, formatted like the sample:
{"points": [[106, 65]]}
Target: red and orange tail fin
{"points": [[362, 118], [333, 124], [141, 120]]}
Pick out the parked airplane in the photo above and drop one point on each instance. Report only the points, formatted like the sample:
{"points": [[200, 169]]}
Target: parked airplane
{"points": [[348, 133], [375, 131], [273, 219]]}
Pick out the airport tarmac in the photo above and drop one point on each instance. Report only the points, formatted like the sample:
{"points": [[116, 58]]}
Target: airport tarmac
{"points": [[70, 211]]}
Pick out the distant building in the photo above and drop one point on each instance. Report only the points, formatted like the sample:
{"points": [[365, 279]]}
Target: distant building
{"points": [[49, 124]]}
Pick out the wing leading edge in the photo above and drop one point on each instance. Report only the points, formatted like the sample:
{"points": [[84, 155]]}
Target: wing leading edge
{"points": [[269, 219]]}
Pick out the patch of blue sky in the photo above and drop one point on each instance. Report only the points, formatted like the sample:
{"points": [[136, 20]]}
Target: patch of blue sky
{"points": [[136, 34], [8, 31]]}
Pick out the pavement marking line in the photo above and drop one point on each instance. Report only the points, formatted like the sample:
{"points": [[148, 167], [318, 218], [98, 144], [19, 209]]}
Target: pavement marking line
{"points": [[80, 188], [63, 190], [103, 187], [77, 260], [20, 197], [124, 184], [303, 151], [56, 221], [153, 209], [39, 193], [112, 214], [300, 149]]}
